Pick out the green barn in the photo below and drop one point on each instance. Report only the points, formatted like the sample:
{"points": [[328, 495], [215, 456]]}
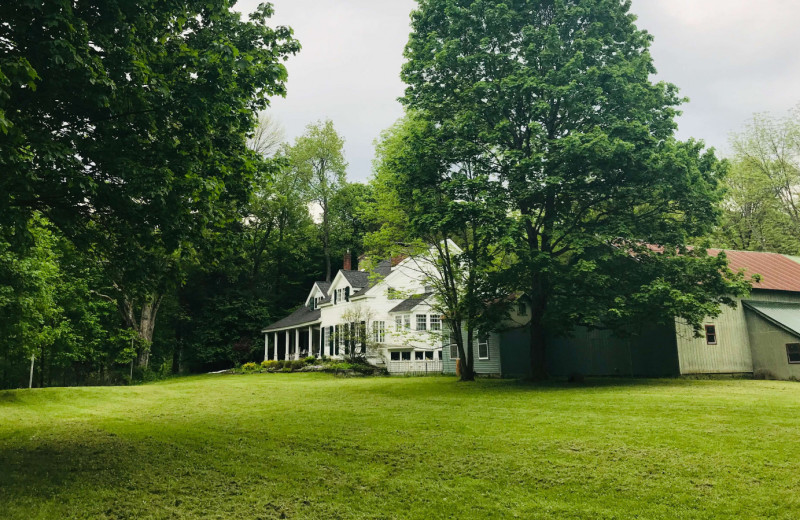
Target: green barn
{"points": [[760, 336]]}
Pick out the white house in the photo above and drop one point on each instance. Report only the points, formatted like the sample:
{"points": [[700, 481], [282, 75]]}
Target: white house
{"points": [[385, 313]]}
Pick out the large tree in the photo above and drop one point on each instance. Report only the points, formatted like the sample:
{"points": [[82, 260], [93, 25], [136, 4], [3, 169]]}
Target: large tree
{"points": [[318, 156], [554, 98], [129, 129]]}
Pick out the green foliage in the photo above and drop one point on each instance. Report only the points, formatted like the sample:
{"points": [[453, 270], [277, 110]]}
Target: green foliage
{"points": [[554, 104], [310, 360], [270, 364], [249, 367]]}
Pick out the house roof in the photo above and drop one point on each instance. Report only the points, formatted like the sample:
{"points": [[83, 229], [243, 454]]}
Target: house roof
{"points": [[410, 303], [301, 316], [784, 315], [381, 271], [323, 286], [778, 272], [358, 279]]}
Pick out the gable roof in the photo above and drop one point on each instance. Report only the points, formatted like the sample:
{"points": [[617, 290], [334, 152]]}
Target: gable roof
{"points": [[357, 279], [784, 315], [410, 303], [778, 272], [301, 316], [323, 287]]}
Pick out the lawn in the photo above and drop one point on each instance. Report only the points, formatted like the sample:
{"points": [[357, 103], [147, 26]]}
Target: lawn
{"points": [[315, 446]]}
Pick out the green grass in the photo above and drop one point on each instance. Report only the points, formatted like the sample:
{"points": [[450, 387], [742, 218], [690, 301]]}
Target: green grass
{"points": [[314, 446]]}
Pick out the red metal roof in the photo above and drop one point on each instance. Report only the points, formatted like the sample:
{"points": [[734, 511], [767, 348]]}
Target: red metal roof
{"points": [[778, 272]]}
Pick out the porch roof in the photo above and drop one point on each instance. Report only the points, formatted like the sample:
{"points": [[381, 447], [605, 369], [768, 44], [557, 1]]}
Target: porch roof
{"points": [[301, 317]]}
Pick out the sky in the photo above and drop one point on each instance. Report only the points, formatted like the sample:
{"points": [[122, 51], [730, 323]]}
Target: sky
{"points": [[732, 58]]}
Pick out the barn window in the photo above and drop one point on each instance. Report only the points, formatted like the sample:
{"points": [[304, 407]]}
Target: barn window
{"points": [[483, 348], [711, 334], [793, 352], [453, 351]]}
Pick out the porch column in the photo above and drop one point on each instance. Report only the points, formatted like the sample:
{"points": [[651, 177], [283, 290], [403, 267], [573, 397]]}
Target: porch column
{"points": [[310, 340], [266, 347], [321, 340], [286, 350], [297, 343], [274, 346]]}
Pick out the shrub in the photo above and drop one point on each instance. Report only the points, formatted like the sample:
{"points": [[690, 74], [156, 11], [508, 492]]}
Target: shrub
{"points": [[310, 360], [286, 369], [297, 364], [249, 367], [271, 364]]}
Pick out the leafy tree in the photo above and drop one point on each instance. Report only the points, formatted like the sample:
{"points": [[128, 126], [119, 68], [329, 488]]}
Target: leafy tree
{"points": [[456, 216], [763, 201], [318, 156], [554, 99], [132, 137], [348, 222], [752, 216]]}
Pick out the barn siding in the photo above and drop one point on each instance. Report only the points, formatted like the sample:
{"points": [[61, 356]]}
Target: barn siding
{"points": [[769, 348], [732, 353], [484, 367]]}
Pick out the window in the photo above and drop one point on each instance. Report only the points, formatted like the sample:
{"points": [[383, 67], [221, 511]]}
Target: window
{"points": [[711, 334], [398, 323], [407, 321], [330, 340], [483, 347], [440, 354], [453, 351], [419, 355], [429, 355], [793, 352], [436, 322], [405, 356], [378, 331], [522, 309], [422, 321], [395, 356]]}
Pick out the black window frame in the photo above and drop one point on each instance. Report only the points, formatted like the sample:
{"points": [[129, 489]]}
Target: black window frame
{"points": [[789, 354], [711, 332]]}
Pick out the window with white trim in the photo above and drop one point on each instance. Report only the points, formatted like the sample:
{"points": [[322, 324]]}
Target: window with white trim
{"points": [[711, 335], [422, 322], [483, 347], [407, 321], [378, 331], [429, 355], [436, 322], [453, 351], [395, 356], [398, 323], [419, 355], [405, 356]]}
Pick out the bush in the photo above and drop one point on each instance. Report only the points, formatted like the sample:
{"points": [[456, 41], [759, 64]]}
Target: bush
{"points": [[249, 367], [297, 364], [310, 360], [271, 364], [286, 369]]}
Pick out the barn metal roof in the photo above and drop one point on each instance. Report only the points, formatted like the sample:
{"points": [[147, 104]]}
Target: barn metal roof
{"points": [[784, 315], [778, 272]]}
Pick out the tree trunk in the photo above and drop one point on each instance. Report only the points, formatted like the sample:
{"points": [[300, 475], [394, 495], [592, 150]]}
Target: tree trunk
{"points": [[146, 325], [30, 380], [326, 232], [538, 339]]}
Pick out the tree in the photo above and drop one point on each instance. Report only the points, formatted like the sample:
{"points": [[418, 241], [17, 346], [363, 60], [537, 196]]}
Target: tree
{"points": [[752, 216], [554, 100], [268, 136], [764, 192], [451, 220], [318, 155], [130, 134]]}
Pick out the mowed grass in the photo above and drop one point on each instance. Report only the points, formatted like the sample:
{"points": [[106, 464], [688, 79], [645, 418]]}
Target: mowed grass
{"points": [[315, 446]]}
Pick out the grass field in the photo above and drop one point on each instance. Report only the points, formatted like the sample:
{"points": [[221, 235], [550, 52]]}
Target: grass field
{"points": [[314, 446]]}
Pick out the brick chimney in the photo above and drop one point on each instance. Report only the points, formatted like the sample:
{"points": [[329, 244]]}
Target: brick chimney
{"points": [[348, 261]]}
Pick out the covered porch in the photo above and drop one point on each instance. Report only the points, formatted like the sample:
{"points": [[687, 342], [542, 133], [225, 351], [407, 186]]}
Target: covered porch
{"points": [[294, 337]]}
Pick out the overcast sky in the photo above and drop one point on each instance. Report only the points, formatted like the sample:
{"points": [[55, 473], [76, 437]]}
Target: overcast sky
{"points": [[730, 57]]}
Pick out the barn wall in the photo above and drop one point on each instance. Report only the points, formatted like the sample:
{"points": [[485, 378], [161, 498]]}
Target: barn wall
{"points": [[732, 353], [769, 347]]}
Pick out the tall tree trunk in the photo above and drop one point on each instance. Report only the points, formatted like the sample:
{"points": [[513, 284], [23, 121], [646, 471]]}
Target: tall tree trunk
{"points": [[147, 324], [538, 338]]}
